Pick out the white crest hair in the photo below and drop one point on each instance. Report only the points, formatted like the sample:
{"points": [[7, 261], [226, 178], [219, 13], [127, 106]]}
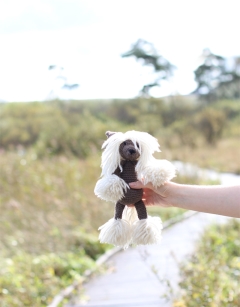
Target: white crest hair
{"points": [[111, 158]]}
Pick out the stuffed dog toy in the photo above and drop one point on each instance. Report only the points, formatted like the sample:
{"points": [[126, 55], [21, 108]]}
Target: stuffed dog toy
{"points": [[128, 157]]}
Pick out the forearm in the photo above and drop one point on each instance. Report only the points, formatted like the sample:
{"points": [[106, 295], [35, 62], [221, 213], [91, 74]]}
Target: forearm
{"points": [[223, 200]]}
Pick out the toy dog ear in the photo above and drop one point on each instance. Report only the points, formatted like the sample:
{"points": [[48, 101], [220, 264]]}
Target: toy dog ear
{"points": [[109, 133]]}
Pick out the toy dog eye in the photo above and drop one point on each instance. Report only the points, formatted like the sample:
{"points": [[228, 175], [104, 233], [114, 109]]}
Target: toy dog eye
{"points": [[124, 143], [137, 145]]}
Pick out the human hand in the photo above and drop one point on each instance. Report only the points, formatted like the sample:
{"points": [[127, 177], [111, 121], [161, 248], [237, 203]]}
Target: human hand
{"points": [[215, 199], [154, 196]]}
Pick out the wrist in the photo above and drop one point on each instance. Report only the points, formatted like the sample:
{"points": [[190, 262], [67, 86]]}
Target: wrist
{"points": [[173, 193]]}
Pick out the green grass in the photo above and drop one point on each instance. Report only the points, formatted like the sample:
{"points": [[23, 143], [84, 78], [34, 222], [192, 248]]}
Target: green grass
{"points": [[211, 276], [33, 280], [48, 226]]}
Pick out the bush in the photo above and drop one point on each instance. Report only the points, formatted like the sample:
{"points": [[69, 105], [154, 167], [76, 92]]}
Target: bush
{"points": [[211, 123], [29, 280], [21, 123], [211, 277], [77, 128], [81, 136]]}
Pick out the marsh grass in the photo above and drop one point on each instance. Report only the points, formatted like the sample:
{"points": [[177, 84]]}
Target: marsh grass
{"points": [[48, 226], [42, 197], [211, 276], [222, 157]]}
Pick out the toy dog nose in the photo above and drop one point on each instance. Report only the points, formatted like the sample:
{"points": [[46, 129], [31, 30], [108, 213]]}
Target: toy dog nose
{"points": [[132, 151]]}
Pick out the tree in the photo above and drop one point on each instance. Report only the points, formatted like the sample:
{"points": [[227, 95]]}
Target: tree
{"points": [[209, 74], [147, 53], [217, 77], [230, 87]]}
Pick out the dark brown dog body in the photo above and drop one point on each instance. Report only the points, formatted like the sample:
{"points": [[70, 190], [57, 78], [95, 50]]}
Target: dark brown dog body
{"points": [[129, 155], [128, 174]]}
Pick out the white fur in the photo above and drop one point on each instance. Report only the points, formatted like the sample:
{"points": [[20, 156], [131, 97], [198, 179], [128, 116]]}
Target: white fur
{"points": [[147, 231], [111, 188], [111, 158], [148, 168], [158, 172], [116, 232]]}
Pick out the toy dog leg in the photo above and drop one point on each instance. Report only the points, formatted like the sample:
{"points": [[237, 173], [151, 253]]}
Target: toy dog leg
{"points": [[147, 230], [119, 210], [116, 231], [141, 210]]}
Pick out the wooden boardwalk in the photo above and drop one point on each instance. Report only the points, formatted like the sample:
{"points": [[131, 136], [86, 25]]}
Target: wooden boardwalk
{"points": [[146, 275]]}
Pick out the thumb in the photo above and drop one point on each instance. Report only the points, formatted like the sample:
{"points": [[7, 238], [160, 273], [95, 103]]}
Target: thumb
{"points": [[140, 185]]}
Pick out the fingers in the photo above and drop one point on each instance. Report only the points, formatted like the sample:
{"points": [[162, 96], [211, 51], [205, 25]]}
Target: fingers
{"points": [[150, 196], [136, 185], [140, 185]]}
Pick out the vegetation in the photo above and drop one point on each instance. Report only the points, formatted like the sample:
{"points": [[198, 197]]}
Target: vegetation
{"points": [[77, 128], [50, 162], [211, 276], [147, 53], [217, 77], [47, 240], [48, 225]]}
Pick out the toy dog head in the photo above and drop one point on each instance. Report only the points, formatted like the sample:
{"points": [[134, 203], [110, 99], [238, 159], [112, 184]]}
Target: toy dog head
{"points": [[131, 145], [128, 151]]}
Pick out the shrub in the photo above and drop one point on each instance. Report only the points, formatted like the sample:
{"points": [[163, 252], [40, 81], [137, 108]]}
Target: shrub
{"points": [[33, 280], [211, 123], [20, 123], [211, 276]]}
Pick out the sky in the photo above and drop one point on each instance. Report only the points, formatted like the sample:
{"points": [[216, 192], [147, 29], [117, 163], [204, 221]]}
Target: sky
{"points": [[87, 38]]}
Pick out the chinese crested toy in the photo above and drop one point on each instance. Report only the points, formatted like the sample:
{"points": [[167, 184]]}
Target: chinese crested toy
{"points": [[128, 157]]}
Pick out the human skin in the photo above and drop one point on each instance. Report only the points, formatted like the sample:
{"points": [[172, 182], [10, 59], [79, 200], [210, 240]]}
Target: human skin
{"points": [[215, 199]]}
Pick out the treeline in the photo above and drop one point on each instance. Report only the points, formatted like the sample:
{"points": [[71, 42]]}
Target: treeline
{"points": [[77, 128], [216, 77]]}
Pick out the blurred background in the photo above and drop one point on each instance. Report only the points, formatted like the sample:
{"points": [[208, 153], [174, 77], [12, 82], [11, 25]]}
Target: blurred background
{"points": [[71, 70]]}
